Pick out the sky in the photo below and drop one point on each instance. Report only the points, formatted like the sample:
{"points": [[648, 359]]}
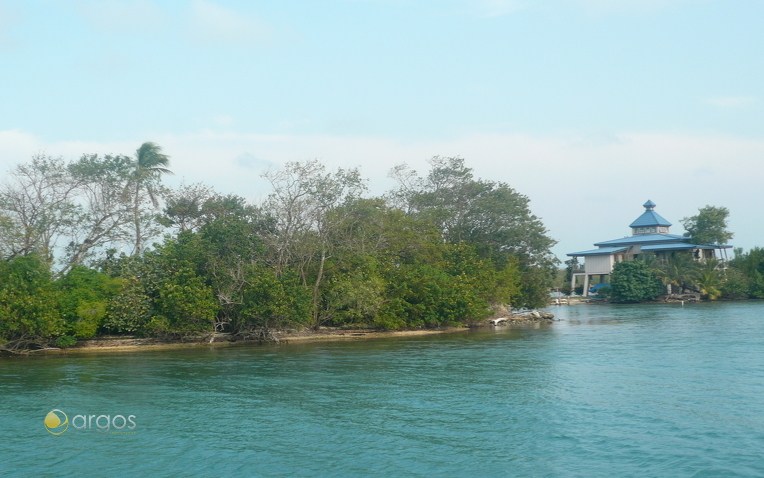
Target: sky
{"points": [[588, 107]]}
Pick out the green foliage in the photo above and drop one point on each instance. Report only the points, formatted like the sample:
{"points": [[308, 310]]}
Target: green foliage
{"points": [[735, 284], [605, 291], [424, 296], [634, 281], [709, 278], [534, 286], [490, 216], [441, 252], [571, 265], [709, 226], [84, 299], [184, 305], [148, 167], [162, 293], [269, 301], [751, 266], [131, 308], [65, 341], [355, 298], [29, 307], [676, 270]]}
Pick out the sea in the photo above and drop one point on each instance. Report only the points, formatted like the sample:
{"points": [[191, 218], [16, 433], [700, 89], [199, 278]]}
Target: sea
{"points": [[648, 390]]}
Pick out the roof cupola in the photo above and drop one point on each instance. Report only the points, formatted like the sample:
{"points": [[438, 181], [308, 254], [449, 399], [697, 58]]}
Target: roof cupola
{"points": [[650, 222]]}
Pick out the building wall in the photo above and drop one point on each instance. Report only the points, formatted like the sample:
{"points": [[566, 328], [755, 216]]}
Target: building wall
{"points": [[598, 264]]}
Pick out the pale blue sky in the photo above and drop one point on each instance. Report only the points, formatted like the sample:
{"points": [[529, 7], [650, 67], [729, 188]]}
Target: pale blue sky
{"points": [[589, 107]]}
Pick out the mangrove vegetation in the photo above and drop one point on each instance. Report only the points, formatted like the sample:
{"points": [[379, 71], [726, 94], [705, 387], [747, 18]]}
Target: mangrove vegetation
{"points": [[100, 246]]}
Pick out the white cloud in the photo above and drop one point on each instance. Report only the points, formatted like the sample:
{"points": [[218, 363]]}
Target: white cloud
{"points": [[732, 101], [17, 146], [130, 16], [211, 23]]}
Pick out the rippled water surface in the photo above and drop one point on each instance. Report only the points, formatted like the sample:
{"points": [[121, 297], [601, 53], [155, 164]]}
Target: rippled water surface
{"points": [[651, 390]]}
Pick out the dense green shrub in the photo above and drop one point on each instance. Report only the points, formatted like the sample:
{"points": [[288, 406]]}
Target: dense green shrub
{"points": [[29, 303], [634, 281], [84, 298]]}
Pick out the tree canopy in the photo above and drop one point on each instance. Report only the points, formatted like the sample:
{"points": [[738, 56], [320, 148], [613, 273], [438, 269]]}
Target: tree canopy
{"points": [[709, 226], [443, 249]]}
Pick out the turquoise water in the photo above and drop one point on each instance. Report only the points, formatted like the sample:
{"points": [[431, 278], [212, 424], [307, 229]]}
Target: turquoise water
{"points": [[653, 390]]}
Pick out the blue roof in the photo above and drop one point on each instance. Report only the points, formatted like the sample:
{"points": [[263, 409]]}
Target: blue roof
{"points": [[649, 203], [598, 252], [649, 218], [644, 239], [683, 245], [670, 246]]}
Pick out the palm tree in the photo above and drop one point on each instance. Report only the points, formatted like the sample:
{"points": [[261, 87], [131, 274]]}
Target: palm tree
{"points": [[708, 278], [677, 269], [150, 165]]}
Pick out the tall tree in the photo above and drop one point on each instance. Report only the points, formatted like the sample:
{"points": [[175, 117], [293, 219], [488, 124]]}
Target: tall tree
{"points": [[304, 195], [37, 207], [709, 226], [104, 209], [489, 215], [150, 164], [184, 207]]}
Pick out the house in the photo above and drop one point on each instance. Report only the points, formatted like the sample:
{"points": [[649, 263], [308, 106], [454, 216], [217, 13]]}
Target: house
{"points": [[649, 234]]}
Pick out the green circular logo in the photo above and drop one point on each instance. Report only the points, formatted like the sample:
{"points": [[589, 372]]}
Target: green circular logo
{"points": [[56, 422]]}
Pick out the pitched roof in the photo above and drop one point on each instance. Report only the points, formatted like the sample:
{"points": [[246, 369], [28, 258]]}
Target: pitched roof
{"points": [[670, 246], [643, 239], [599, 252], [649, 218], [683, 245]]}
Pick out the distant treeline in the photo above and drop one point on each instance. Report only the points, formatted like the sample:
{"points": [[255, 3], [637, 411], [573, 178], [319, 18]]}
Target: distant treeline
{"points": [[443, 249]]}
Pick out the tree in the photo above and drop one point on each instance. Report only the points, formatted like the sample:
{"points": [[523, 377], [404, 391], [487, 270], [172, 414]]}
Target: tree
{"points": [[85, 204], [709, 226], [36, 208], [571, 265], [676, 269], [490, 216], [304, 195], [104, 210], [735, 285], [29, 304], [184, 206], [634, 281], [149, 165], [709, 279], [751, 265], [84, 299]]}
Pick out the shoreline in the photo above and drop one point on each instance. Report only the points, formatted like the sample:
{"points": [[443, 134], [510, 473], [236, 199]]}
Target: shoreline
{"points": [[134, 344], [116, 343]]}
